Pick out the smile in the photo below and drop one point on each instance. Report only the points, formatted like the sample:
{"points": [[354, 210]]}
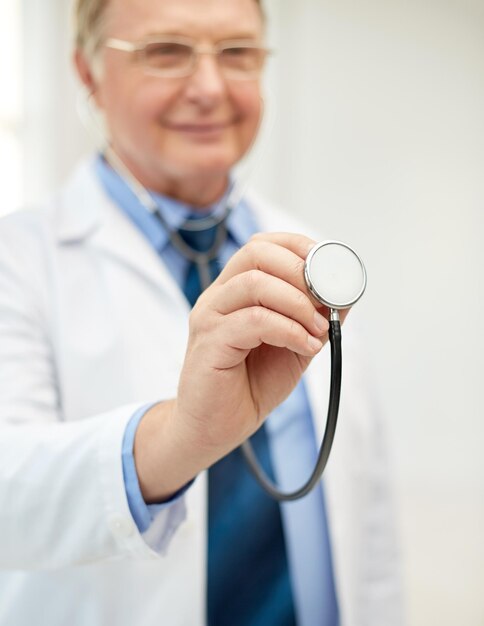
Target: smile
{"points": [[201, 129]]}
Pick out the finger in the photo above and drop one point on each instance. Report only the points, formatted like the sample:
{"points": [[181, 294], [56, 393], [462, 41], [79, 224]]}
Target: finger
{"points": [[249, 328], [271, 259], [256, 288], [300, 245], [297, 243]]}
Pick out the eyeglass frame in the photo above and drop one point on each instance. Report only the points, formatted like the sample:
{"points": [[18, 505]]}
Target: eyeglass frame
{"points": [[197, 49]]}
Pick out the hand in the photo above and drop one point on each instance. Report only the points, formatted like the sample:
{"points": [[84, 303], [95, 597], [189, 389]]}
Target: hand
{"points": [[253, 333]]}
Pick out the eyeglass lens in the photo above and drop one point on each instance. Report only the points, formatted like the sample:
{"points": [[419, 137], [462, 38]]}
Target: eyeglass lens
{"points": [[165, 57]]}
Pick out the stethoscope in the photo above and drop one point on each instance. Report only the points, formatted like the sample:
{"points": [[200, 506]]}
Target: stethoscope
{"points": [[334, 274], [336, 277]]}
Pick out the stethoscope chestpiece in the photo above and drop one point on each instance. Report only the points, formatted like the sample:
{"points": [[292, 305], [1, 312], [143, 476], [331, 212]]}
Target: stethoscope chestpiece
{"points": [[335, 274]]}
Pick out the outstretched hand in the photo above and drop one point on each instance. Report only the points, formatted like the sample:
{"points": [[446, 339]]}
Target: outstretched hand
{"points": [[252, 334]]}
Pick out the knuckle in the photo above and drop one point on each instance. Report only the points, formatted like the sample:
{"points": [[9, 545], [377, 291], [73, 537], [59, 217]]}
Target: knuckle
{"points": [[258, 316], [298, 269], [252, 279], [254, 315], [252, 250], [250, 247], [294, 329], [301, 300], [201, 316]]}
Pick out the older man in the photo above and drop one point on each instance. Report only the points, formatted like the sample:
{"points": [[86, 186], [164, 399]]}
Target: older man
{"points": [[105, 520]]}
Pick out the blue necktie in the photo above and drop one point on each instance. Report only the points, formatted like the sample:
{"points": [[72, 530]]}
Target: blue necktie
{"points": [[199, 241], [248, 574]]}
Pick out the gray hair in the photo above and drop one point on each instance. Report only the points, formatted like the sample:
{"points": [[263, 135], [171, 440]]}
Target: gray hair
{"points": [[89, 17]]}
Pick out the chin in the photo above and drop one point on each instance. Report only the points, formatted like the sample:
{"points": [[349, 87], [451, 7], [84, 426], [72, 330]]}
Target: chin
{"points": [[210, 163]]}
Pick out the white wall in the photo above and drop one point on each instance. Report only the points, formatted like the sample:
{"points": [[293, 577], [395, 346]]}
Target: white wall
{"points": [[10, 105], [378, 140], [53, 136]]}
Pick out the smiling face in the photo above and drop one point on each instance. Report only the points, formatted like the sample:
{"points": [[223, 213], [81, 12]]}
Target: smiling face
{"points": [[178, 136]]}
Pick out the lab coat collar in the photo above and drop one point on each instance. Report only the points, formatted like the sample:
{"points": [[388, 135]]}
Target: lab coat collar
{"points": [[76, 207], [84, 213]]}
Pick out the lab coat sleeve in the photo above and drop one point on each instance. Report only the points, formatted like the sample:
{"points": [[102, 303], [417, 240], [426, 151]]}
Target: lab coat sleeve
{"points": [[62, 499], [28, 380], [62, 494]]}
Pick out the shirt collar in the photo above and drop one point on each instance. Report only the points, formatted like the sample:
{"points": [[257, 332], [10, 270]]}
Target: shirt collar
{"points": [[241, 224]]}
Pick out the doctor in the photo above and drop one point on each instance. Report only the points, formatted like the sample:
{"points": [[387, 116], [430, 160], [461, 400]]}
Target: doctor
{"points": [[114, 518]]}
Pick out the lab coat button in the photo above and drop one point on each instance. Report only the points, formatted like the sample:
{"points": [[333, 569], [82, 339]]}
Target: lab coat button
{"points": [[120, 526]]}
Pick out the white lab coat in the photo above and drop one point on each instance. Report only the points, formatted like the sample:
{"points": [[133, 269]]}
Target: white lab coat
{"points": [[90, 320]]}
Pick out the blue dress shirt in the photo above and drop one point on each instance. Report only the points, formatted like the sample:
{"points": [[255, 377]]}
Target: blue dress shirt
{"points": [[289, 427]]}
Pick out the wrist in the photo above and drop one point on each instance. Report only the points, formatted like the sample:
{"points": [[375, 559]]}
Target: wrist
{"points": [[170, 450], [163, 466]]}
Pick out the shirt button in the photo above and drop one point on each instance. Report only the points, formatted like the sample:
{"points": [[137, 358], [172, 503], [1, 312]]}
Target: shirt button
{"points": [[120, 526]]}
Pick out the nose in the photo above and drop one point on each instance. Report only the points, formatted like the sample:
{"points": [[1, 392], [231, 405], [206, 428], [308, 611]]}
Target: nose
{"points": [[206, 86]]}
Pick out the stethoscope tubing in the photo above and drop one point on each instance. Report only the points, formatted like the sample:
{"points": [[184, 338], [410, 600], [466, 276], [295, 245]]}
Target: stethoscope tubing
{"points": [[332, 418]]}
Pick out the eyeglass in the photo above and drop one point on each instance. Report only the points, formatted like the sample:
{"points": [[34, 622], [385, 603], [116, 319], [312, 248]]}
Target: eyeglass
{"points": [[177, 56]]}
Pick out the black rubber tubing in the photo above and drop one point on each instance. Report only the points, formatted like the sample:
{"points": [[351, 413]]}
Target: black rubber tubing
{"points": [[327, 443]]}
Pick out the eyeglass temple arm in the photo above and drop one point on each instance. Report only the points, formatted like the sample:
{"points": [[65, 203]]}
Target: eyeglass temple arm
{"points": [[120, 44]]}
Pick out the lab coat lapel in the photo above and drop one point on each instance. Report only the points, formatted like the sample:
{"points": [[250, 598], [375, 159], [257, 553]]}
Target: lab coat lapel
{"points": [[86, 212]]}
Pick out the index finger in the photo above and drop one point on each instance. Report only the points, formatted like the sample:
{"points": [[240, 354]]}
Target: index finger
{"points": [[278, 254], [301, 246], [297, 243]]}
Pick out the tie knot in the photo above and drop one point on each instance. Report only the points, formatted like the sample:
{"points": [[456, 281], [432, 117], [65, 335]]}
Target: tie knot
{"points": [[200, 240]]}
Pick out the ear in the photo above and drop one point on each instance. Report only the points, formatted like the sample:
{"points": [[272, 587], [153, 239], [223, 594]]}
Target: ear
{"points": [[85, 73]]}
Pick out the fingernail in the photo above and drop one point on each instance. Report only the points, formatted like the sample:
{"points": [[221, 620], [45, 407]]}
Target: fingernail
{"points": [[314, 343], [320, 322]]}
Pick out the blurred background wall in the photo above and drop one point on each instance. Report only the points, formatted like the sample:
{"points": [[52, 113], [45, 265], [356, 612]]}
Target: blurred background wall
{"points": [[377, 139]]}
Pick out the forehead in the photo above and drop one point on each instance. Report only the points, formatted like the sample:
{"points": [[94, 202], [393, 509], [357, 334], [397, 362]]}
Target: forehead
{"points": [[217, 19]]}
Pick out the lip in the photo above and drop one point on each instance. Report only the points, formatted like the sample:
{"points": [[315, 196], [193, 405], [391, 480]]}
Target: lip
{"points": [[201, 129]]}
